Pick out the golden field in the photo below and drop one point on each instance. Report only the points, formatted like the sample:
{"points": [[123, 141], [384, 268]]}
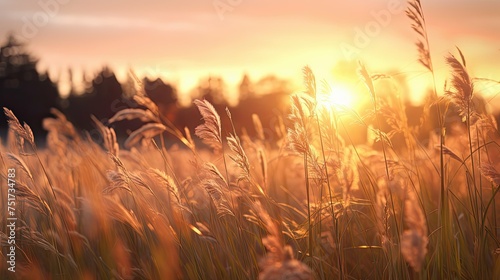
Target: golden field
{"points": [[413, 202]]}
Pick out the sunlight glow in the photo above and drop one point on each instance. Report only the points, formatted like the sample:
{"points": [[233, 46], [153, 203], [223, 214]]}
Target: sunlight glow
{"points": [[339, 96]]}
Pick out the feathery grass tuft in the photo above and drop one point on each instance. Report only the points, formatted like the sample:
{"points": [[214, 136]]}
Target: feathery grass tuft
{"points": [[210, 130]]}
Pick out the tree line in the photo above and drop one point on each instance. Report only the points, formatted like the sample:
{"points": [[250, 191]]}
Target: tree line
{"points": [[31, 96]]}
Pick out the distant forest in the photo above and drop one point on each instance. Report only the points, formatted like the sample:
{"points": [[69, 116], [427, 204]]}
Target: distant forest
{"points": [[32, 95]]}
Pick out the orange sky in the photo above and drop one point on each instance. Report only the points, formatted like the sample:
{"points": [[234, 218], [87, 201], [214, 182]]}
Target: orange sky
{"points": [[182, 40]]}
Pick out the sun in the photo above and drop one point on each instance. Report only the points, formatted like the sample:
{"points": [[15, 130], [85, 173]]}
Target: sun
{"points": [[338, 96]]}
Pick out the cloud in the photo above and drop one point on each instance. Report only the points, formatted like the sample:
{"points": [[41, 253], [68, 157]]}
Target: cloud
{"points": [[113, 22]]}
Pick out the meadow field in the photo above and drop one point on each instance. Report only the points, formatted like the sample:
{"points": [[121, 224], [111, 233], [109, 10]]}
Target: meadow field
{"points": [[413, 202]]}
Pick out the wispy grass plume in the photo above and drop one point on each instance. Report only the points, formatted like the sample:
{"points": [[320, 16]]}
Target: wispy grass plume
{"points": [[462, 88], [210, 130]]}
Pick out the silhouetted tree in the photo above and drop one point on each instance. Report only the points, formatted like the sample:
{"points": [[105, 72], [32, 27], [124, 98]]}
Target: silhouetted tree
{"points": [[246, 88], [212, 89], [269, 100], [272, 84], [105, 91], [163, 95], [27, 93]]}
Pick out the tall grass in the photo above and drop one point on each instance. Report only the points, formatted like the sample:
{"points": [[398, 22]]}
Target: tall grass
{"points": [[316, 207]]}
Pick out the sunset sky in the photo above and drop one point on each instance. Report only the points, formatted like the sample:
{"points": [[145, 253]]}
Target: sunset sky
{"points": [[183, 40]]}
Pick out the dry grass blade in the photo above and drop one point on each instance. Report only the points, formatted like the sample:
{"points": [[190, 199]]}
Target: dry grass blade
{"points": [[130, 114], [348, 172], [462, 89], [60, 125], [270, 225], [392, 118], [258, 126], [415, 14], [210, 131], [310, 82], [240, 157], [203, 231], [109, 136], [279, 263], [189, 139], [13, 121], [167, 180], [302, 108], [216, 193], [262, 163], [326, 88], [316, 169], [448, 151], [32, 199], [138, 181], [23, 132], [3, 239], [490, 173], [212, 169], [380, 136], [20, 162], [297, 139], [117, 161], [143, 100], [29, 134], [117, 180], [37, 238], [119, 213], [367, 80], [147, 131]]}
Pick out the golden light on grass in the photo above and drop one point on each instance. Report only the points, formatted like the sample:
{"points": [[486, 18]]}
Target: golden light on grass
{"points": [[196, 230]]}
